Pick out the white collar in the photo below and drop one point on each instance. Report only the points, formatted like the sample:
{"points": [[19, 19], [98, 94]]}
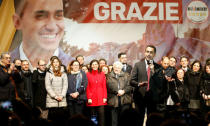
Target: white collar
{"points": [[24, 57], [185, 69], [146, 63]]}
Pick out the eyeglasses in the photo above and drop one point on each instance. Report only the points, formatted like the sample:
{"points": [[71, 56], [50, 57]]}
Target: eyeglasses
{"points": [[196, 65], [7, 57]]}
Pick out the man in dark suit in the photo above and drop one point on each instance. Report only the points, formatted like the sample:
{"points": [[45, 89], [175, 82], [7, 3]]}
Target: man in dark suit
{"points": [[7, 88], [41, 23], [184, 63], [123, 59], [162, 86], [140, 77]]}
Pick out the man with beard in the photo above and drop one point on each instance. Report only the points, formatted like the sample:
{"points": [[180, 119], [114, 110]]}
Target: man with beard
{"points": [[161, 85], [7, 90], [38, 80], [123, 59], [140, 77]]}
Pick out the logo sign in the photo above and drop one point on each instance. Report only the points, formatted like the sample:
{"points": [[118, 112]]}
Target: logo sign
{"points": [[197, 11]]}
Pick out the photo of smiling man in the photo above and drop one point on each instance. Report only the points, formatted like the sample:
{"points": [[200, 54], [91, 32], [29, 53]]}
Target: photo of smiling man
{"points": [[42, 25]]}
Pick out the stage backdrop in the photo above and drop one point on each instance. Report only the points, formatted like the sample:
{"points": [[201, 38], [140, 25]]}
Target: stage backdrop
{"points": [[103, 28]]}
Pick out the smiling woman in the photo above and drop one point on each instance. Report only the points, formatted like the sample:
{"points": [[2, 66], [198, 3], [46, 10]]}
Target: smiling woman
{"points": [[96, 91], [56, 84], [76, 93]]}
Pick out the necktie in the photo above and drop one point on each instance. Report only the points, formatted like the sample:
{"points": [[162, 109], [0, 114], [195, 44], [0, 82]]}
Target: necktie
{"points": [[124, 68], [148, 77]]}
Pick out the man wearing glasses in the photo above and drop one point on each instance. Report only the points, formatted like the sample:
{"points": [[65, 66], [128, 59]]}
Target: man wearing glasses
{"points": [[7, 90], [38, 81]]}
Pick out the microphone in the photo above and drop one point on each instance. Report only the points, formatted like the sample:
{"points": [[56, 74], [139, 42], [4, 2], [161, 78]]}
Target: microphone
{"points": [[149, 62]]}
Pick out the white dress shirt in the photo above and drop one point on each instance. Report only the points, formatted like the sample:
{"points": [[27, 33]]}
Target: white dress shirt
{"points": [[24, 57]]}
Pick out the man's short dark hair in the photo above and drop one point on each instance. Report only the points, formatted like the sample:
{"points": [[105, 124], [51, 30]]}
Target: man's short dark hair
{"points": [[16, 60], [24, 61], [120, 54], [151, 46], [20, 5], [4, 53], [173, 58], [39, 62], [79, 56], [102, 59], [184, 57]]}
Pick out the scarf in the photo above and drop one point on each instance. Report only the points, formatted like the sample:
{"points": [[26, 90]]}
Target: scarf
{"points": [[78, 79]]}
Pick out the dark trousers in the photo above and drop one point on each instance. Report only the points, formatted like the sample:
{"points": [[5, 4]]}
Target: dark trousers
{"points": [[99, 112], [108, 116], [116, 113], [58, 116], [76, 108], [142, 104]]}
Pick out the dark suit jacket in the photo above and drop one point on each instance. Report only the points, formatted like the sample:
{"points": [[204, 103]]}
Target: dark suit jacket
{"points": [[128, 69], [15, 54], [139, 74]]}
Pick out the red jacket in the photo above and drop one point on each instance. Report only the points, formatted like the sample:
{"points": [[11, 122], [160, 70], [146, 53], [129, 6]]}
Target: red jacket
{"points": [[96, 88]]}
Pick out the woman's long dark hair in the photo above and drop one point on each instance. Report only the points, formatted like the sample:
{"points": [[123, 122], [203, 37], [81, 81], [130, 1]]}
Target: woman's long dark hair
{"points": [[91, 69], [199, 62], [207, 64], [177, 72]]}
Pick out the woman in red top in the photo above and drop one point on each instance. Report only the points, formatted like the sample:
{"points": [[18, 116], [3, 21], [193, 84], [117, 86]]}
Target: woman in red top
{"points": [[96, 91]]}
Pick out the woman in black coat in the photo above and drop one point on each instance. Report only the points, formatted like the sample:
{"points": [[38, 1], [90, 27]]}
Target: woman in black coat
{"points": [[205, 87], [183, 98], [193, 77], [77, 83]]}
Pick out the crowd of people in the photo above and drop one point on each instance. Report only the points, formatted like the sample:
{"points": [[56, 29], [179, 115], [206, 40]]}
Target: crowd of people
{"points": [[64, 91], [101, 94]]}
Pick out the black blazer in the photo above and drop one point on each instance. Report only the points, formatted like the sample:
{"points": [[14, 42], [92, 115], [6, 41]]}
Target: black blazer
{"points": [[139, 74], [128, 69]]}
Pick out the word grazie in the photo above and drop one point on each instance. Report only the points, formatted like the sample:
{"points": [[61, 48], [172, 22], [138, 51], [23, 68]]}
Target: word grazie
{"points": [[137, 11]]}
